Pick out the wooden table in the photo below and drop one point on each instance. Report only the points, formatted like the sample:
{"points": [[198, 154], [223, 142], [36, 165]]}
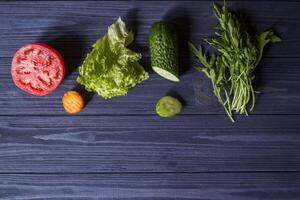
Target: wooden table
{"points": [[118, 148]]}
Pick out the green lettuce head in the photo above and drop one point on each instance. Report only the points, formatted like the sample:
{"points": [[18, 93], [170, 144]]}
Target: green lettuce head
{"points": [[110, 69]]}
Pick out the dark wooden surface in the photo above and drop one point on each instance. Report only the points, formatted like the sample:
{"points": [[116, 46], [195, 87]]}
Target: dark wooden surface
{"points": [[118, 148]]}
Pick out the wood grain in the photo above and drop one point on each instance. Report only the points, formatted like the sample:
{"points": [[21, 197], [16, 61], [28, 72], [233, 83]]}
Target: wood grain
{"points": [[149, 144], [72, 27], [228, 186]]}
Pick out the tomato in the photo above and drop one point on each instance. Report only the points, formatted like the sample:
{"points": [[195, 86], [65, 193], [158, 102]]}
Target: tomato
{"points": [[37, 69], [72, 102]]}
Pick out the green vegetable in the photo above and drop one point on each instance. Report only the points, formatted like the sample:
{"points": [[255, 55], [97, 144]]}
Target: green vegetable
{"points": [[110, 69], [163, 51], [231, 72], [168, 106]]}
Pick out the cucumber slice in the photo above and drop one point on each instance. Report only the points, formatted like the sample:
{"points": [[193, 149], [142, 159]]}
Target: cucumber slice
{"points": [[165, 74], [168, 106], [163, 50]]}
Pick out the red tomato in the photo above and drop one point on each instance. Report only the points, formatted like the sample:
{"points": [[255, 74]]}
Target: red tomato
{"points": [[37, 69]]}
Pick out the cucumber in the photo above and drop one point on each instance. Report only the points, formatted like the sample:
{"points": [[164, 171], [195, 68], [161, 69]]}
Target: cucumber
{"points": [[168, 106], [164, 50]]}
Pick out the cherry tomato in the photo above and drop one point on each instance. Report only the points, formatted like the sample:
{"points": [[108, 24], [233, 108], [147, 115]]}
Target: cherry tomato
{"points": [[37, 69], [72, 102]]}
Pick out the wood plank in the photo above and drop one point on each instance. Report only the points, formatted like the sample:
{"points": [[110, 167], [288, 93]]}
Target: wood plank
{"points": [[72, 27], [148, 144], [227, 186], [276, 78]]}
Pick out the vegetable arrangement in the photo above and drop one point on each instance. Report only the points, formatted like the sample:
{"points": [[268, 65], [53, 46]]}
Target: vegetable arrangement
{"points": [[231, 72], [111, 69]]}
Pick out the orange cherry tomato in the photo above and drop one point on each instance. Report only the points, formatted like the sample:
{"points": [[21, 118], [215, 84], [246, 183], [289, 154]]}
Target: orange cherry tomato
{"points": [[72, 102]]}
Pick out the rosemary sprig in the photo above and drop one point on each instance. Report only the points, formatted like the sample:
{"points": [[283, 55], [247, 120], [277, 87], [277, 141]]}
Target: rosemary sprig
{"points": [[231, 71]]}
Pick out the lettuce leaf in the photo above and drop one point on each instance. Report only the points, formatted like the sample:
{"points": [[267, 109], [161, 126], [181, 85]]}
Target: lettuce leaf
{"points": [[111, 69]]}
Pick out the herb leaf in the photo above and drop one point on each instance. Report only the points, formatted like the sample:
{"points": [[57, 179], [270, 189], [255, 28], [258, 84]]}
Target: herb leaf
{"points": [[231, 71]]}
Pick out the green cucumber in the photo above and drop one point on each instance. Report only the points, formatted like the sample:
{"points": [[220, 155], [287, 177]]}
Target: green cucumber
{"points": [[164, 50], [168, 106]]}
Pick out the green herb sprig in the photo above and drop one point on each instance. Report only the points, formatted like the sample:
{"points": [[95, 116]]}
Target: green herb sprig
{"points": [[231, 71]]}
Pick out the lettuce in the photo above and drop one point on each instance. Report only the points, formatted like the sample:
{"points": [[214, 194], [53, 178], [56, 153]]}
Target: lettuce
{"points": [[111, 69]]}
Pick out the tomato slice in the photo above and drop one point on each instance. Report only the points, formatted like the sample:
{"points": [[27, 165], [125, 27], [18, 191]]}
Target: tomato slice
{"points": [[37, 69]]}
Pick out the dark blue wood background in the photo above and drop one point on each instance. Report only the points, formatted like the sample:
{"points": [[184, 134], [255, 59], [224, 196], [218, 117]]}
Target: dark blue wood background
{"points": [[118, 148]]}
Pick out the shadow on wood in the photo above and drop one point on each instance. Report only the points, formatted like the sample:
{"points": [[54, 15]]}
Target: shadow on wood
{"points": [[132, 24], [174, 94], [65, 40], [86, 95], [180, 18]]}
